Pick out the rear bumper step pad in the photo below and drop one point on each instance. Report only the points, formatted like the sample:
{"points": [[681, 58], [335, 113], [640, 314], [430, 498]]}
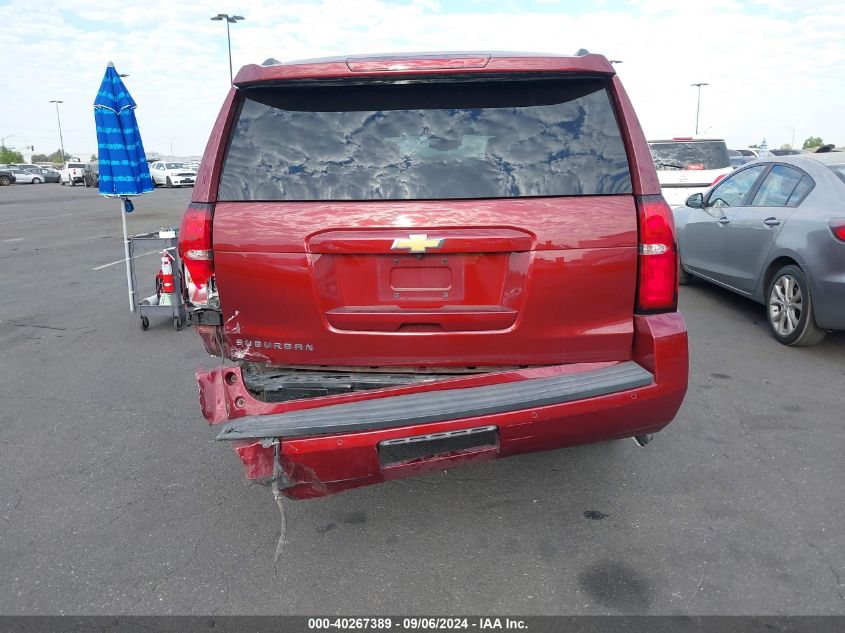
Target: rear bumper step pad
{"points": [[439, 406]]}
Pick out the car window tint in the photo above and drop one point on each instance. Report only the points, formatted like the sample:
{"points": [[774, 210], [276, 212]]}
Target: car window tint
{"points": [[733, 190], [455, 138], [777, 187], [801, 189]]}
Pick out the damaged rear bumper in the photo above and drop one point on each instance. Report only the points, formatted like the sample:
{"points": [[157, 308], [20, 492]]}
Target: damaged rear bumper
{"points": [[329, 444]]}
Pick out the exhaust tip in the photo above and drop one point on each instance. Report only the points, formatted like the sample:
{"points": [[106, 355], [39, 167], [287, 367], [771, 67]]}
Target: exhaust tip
{"points": [[642, 440]]}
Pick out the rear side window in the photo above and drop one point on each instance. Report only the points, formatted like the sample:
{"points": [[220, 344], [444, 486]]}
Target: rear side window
{"points": [[801, 189], [453, 139], [693, 155], [779, 187]]}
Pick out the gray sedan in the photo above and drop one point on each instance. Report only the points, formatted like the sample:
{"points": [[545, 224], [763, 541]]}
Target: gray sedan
{"points": [[774, 231]]}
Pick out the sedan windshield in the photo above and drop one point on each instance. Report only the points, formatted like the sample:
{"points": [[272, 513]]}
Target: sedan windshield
{"points": [[175, 165]]}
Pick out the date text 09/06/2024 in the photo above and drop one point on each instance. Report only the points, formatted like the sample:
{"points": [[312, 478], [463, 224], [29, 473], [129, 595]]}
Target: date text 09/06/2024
{"points": [[417, 623]]}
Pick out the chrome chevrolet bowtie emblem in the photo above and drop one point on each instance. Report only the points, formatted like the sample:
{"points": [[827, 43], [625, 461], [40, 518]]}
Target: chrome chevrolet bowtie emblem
{"points": [[417, 243]]}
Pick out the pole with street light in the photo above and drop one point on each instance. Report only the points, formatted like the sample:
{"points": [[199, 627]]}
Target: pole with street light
{"points": [[698, 106], [792, 145], [58, 118], [230, 19]]}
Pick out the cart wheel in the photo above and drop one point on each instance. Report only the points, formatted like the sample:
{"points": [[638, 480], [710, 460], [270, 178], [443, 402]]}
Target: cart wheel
{"points": [[145, 323], [177, 323]]}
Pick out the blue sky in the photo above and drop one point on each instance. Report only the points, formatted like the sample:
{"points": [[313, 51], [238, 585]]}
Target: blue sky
{"points": [[772, 65]]}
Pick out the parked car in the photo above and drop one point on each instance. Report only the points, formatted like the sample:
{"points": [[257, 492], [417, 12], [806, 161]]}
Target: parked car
{"points": [[414, 269], [686, 165], [48, 175], [737, 158], [91, 174], [169, 174], [73, 173], [26, 177], [774, 231], [6, 177], [785, 152]]}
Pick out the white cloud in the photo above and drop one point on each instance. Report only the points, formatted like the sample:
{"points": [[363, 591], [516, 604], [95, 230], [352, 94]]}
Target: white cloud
{"points": [[772, 65]]}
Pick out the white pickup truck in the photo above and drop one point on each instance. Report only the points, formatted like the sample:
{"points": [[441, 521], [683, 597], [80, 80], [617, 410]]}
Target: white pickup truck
{"points": [[72, 173]]}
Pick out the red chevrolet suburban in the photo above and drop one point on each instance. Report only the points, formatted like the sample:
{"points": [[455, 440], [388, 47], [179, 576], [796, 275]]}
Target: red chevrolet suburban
{"points": [[421, 261]]}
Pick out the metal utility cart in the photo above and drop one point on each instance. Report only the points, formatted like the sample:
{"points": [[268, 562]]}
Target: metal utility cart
{"points": [[154, 241]]}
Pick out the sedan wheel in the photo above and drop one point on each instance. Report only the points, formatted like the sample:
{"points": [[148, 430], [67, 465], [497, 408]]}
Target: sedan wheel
{"points": [[790, 309], [36, 181]]}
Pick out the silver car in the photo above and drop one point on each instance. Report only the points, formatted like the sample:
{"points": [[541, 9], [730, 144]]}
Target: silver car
{"points": [[774, 231]]}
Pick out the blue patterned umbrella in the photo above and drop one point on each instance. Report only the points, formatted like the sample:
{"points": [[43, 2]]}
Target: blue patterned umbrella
{"points": [[122, 163]]}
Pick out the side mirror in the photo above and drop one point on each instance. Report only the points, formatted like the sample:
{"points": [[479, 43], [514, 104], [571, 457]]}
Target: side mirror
{"points": [[695, 201]]}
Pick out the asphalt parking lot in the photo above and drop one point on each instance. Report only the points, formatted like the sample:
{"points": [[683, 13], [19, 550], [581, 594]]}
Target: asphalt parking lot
{"points": [[114, 497]]}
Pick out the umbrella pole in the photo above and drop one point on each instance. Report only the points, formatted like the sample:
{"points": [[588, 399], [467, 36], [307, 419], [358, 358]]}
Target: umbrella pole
{"points": [[126, 254]]}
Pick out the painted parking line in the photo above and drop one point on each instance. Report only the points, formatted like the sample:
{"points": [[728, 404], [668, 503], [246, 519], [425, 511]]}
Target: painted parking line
{"points": [[122, 260], [44, 217]]}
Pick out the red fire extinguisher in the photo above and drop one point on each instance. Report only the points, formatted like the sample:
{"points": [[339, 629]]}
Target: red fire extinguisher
{"points": [[166, 273]]}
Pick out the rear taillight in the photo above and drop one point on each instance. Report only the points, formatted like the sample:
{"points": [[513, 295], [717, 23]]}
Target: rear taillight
{"points": [[195, 250], [837, 225], [657, 282]]}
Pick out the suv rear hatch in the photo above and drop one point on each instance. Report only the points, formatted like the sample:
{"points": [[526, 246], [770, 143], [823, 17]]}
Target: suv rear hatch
{"points": [[465, 221]]}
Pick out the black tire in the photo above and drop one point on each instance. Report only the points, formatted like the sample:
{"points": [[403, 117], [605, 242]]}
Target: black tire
{"points": [[789, 308], [62, 181], [177, 323], [36, 181], [72, 182], [684, 278], [5, 180], [145, 323], [169, 183]]}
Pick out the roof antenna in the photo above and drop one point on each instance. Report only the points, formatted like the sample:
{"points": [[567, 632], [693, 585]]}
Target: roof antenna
{"points": [[581, 52]]}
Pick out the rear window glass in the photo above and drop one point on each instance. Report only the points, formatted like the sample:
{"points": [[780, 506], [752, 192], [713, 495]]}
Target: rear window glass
{"points": [[456, 139], [75, 165], [839, 170], [690, 155]]}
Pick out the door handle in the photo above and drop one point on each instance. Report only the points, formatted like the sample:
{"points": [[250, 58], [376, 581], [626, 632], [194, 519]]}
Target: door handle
{"points": [[723, 220], [771, 221]]}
